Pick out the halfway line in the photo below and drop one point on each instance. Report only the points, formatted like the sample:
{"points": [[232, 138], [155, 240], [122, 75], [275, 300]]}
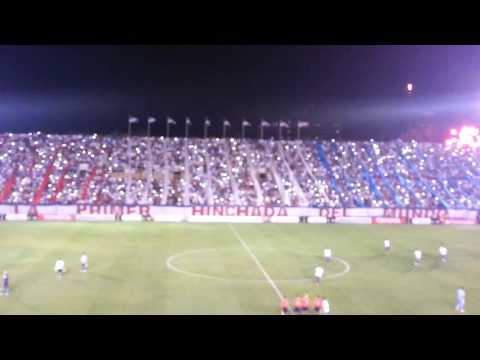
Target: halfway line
{"points": [[254, 258]]}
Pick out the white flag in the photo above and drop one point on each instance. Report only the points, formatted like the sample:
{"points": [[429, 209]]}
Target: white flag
{"points": [[132, 120], [283, 124], [170, 121], [151, 120], [188, 122], [207, 122], [226, 123], [246, 123], [265, 123], [302, 124]]}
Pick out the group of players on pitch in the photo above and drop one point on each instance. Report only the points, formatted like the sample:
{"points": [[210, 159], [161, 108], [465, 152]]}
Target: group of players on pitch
{"points": [[301, 304], [443, 253], [321, 306], [59, 269]]}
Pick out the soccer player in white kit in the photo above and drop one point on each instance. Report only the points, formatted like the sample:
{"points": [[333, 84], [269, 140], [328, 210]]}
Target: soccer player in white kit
{"points": [[386, 245], [5, 283], [59, 268], [83, 263], [418, 257], [442, 250], [460, 306], [328, 254], [318, 274], [325, 307]]}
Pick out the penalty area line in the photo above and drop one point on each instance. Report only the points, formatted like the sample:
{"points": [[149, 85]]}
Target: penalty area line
{"points": [[257, 262]]}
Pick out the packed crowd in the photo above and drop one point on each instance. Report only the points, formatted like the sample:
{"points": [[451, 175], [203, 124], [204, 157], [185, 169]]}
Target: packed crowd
{"points": [[37, 168]]}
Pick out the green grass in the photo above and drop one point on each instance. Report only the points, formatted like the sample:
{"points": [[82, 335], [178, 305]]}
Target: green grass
{"points": [[128, 272]]}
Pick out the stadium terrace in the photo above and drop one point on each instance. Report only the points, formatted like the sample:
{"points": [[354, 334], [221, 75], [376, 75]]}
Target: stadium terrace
{"points": [[236, 177]]}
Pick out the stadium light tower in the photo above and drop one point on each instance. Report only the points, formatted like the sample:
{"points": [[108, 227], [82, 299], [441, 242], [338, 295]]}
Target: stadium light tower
{"points": [[409, 88]]}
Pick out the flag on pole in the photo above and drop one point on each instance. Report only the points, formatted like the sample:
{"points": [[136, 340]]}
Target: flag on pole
{"points": [[170, 121], [151, 120], [187, 124], [283, 124], [132, 120], [246, 123], [265, 123], [302, 124], [226, 123], [207, 122]]}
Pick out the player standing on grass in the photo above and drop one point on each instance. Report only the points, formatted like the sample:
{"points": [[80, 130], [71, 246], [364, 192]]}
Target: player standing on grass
{"points": [[317, 304], [5, 283], [83, 263], [328, 254], [284, 307], [298, 305], [460, 306], [442, 250], [325, 307], [59, 268], [318, 274], [386, 245], [418, 257], [306, 303]]}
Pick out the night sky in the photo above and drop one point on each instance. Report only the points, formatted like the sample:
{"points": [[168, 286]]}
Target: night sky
{"points": [[358, 89]]}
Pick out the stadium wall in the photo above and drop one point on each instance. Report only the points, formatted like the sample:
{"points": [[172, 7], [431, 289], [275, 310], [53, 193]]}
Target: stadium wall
{"points": [[247, 214]]}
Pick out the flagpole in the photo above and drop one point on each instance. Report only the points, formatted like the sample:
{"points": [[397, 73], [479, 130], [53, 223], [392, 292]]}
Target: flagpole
{"points": [[129, 178], [150, 172]]}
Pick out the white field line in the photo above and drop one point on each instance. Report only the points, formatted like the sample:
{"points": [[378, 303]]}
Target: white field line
{"points": [[257, 262], [170, 265]]}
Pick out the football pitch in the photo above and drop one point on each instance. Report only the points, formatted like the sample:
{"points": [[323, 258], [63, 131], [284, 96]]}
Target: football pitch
{"points": [[154, 268]]}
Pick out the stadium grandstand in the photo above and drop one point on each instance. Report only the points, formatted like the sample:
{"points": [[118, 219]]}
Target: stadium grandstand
{"points": [[43, 169]]}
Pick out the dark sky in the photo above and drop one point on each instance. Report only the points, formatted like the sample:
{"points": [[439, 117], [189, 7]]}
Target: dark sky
{"points": [[94, 88]]}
